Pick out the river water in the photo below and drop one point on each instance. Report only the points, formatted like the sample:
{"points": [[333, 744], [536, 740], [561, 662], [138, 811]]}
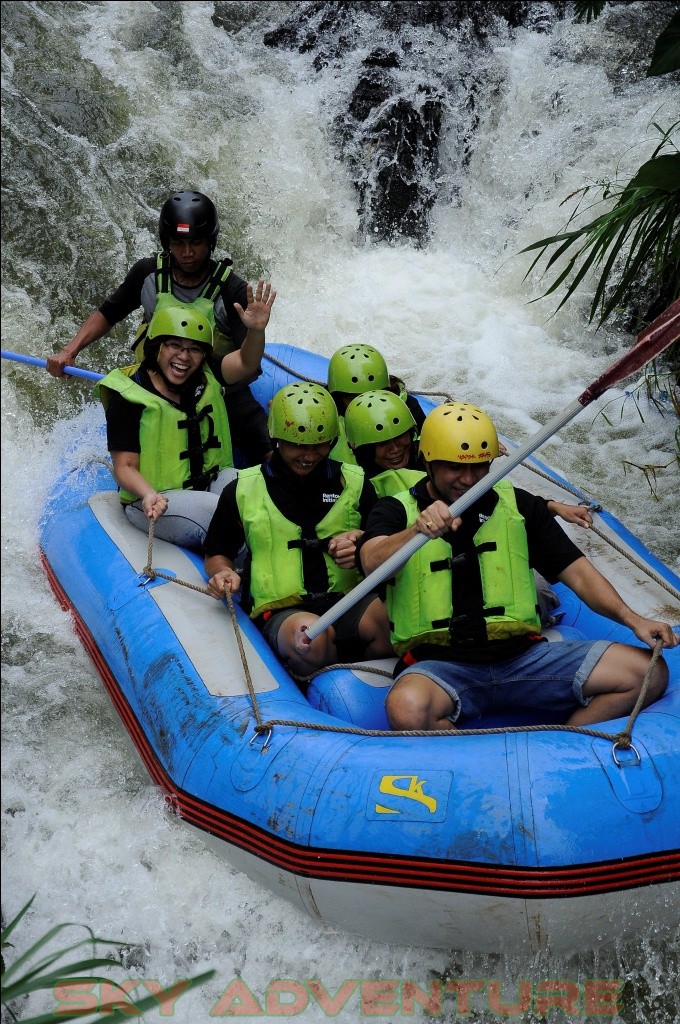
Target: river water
{"points": [[107, 107]]}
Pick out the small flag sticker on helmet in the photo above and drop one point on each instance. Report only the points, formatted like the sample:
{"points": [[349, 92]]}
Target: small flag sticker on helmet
{"points": [[183, 229]]}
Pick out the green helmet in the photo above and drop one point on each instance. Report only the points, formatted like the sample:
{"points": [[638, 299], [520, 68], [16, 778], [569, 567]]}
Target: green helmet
{"points": [[303, 414], [355, 369], [180, 321], [458, 432], [375, 417]]}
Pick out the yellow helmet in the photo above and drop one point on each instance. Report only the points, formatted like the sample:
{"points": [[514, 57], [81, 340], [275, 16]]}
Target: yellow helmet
{"points": [[458, 432]]}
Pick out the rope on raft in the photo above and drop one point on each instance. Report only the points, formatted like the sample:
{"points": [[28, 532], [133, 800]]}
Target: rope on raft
{"points": [[621, 740]]}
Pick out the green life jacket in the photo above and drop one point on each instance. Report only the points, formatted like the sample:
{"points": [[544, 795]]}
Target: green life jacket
{"points": [[178, 449], [392, 481], [341, 451], [204, 303], [420, 599], [277, 550]]}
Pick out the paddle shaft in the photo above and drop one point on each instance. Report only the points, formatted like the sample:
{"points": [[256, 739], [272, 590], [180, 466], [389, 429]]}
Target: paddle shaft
{"points": [[73, 371], [651, 342]]}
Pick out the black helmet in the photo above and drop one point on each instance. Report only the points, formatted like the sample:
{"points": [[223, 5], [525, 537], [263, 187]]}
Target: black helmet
{"points": [[188, 215]]}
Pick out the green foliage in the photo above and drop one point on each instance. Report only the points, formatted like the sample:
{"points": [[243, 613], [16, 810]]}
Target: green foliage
{"points": [[655, 389], [634, 244], [666, 56], [31, 973], [649, 472], [638, 237], [588, 11]]}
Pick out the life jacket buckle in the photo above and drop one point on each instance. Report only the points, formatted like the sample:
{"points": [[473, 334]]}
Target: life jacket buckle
{"points": [[310, 543]]}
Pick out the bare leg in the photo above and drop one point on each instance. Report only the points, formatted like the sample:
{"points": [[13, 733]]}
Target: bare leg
{"points": [[374, 630], [320, 652], [615, 684], [416, 702]]}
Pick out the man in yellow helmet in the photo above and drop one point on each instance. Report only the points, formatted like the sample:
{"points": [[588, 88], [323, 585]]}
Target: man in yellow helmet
{"points": [[463, 609], [300, 516]]}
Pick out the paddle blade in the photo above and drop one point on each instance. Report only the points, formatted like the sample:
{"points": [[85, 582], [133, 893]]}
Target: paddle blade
{"points": [[651, 342]]}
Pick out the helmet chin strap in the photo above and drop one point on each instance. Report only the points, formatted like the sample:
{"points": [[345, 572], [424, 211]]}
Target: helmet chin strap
{"points": [[431, 486]]}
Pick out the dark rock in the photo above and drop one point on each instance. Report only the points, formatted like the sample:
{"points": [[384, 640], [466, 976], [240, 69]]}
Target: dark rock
{"points": [[317, 24], [389, 132], [370, 92], [381, 58], [398, 197]]}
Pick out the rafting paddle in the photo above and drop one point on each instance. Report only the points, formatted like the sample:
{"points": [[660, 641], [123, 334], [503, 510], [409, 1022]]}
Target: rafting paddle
{"points": [[73, 371], [653, 340]]}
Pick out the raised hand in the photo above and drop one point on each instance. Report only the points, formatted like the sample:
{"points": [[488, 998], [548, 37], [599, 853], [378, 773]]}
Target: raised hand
{"points": [[260, 302]]}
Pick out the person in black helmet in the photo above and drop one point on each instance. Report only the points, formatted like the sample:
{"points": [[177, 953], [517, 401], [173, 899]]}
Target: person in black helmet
{"points": [[185, 272]]}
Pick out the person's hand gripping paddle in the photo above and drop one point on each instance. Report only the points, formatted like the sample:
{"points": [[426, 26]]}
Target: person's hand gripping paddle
{"points": [[651, 342]]}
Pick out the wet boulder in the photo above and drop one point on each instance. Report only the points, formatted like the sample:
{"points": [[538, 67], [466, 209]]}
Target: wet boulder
{"points": [[396, 96]]}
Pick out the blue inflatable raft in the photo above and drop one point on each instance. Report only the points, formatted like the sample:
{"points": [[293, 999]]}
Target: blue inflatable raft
{"points": [[515, 839]]}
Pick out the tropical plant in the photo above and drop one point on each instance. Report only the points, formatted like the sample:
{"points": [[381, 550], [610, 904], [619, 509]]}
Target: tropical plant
{"points": [[635, 242], [33, 973], [666, 56], [588, 11]]}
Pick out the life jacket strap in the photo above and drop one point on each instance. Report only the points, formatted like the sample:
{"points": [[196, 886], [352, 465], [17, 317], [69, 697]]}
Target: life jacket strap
{"points": [[490, 545], [163, 280], [310, 543], [218, 277], [202, 482], [197, 448], [447, 563]]}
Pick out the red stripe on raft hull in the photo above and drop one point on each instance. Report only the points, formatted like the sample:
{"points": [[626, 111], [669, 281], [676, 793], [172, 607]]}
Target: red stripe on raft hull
{"points": [[350, 866]]}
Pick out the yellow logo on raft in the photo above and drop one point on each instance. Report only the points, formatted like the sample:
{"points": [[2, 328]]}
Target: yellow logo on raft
{"points": [[413, 790]]}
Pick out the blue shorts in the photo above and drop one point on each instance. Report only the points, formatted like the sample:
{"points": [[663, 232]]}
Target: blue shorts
{"points": [[547, 677]]}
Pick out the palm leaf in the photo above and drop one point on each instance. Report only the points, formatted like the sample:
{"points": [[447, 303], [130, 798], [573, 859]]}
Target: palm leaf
{"points": [[45, 973], [589, 11], [666, 56], [635, 238]]}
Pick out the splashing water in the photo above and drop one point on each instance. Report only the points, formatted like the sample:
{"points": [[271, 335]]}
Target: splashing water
{"points": [[107, 108]]}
